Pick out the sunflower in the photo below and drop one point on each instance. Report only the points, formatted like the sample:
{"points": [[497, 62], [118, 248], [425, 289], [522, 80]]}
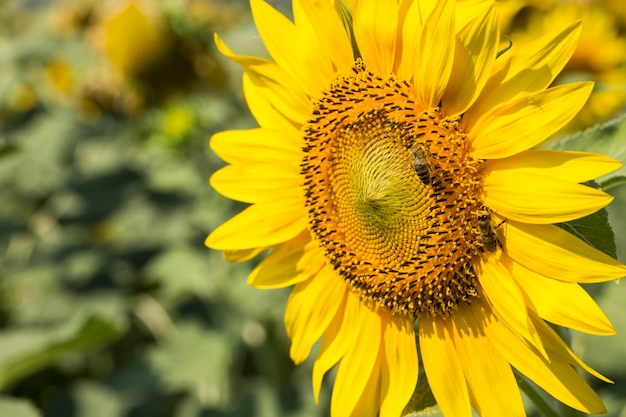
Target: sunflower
{"points": [[393, 181]]}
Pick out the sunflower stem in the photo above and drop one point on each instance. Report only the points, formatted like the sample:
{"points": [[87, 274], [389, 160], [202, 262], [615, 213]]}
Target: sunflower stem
{"points": [[541, 404]]}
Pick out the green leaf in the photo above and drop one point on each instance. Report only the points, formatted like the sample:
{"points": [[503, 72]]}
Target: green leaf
{"points": [[27, 350], [197, 360], [613, 181], [17, 408], [606, 139], [93, 399], [604, 353], [189, 266], [594, 229]]}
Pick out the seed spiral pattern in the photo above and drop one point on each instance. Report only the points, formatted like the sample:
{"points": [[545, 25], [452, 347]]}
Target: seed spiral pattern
{"points": [[405, 245]]}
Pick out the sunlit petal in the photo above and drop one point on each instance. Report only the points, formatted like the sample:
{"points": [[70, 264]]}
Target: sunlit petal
{"points": [[532, 69], [574, 167], [357, 364], [401, 364], [443, 367], [534, 198], [289, 263], [564, 303], [310, 309], [437, 42], [473, 59], [552, 252], [524, 122], [262, 224], [488, 374], [375, 24]]}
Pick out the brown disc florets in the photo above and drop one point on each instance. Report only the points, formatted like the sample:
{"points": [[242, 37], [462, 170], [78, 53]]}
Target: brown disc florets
{"points": [[391, 192]]}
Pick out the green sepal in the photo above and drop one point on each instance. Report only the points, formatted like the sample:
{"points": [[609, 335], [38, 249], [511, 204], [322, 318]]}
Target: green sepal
{"points": [[346, 17]]}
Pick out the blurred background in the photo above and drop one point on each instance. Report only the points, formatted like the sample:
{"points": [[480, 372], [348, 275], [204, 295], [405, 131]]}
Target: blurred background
{"points": [[110, 305]]}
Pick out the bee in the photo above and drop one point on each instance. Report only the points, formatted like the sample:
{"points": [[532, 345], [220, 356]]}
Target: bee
{"points": [[420, 164], [487, 236]]}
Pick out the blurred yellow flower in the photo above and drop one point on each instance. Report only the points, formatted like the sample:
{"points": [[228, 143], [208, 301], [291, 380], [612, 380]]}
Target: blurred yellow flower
{"points": [[60, 76], [178, 121], [136, 38], [391, 177], [134, 54], [617, 8], [22, 97], [146, 54]]}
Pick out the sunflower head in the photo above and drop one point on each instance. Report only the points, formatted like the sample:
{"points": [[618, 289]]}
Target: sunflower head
{"points": [[392, 195], [393, 179]]}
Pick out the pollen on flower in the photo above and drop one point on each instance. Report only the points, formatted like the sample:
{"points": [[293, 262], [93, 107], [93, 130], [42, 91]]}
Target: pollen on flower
{"points": [[402, 242]]}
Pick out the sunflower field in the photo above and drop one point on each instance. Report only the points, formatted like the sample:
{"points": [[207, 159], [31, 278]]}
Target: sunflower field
{"points": [[114, 303]]}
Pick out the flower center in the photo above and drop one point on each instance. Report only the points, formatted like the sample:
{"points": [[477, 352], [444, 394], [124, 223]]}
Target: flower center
{"points": [[391, 192]]}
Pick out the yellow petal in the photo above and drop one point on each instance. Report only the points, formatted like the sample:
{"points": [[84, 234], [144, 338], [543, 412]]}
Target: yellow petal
{"points": [[571, 166], [507, 301], [401, 365], [327, 25], [558, 348], [564, 303], [551, 251], [310, 67], [545, 58], [253, 145], [358, 364], [527, 70], [411, 31], [277, 86], [437, 44], [262, 224], [524, 122], [289, 263], [369, 401], [555, 376], [264, 111], [488, 374], [443, 367], [310, 309], [413, 17], [332, 349], [468, 10], [257, 182], [474, 56], [242, 255], [342, 333], [534, 198], [375, 27]]}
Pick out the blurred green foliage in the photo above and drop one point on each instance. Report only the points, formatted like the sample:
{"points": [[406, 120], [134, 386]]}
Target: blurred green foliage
{"points": [[110, 305]]}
